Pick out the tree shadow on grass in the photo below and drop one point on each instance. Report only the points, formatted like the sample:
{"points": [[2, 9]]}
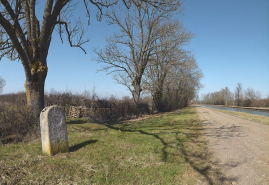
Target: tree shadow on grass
{"points": [[165, 145], [198, 160], [81, 145], [76, 121]]}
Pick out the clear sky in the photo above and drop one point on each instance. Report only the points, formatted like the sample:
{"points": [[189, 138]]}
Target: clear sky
{"points": [[231, 45]]}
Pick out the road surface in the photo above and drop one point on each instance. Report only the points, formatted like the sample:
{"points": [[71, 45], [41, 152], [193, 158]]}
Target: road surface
{"points": [[240, 147]]}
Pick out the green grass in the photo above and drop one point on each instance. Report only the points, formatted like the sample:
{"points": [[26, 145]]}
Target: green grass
{"points": [[251, 117], [163, 149]]}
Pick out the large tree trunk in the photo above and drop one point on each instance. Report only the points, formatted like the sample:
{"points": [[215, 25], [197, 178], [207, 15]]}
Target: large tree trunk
{"points": [[157, 98], [136, 94], [137, 91], [158, 94], [34, 87]]}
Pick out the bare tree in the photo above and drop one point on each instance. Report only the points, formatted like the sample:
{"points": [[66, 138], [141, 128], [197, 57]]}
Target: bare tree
{"points": [[2, 84], [181, 84], [189, 81], [128, 52], [238, 94], [24, 37], [168, 54], [251, 98], [227, 96]]}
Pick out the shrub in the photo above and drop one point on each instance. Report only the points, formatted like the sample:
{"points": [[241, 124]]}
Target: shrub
{"points": [[111, 110], [17, 123], [102, 109]]}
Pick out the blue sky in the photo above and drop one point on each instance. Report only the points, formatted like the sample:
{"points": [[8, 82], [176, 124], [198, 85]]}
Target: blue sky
{"points": [[231, 45], [231, 42]]}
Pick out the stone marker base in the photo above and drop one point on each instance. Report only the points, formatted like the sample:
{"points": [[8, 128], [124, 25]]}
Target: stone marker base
{"points": [[53, 130]]}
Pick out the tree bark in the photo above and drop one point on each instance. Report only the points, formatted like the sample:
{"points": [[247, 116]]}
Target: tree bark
{"points": [[34, 87], [136, 94]]}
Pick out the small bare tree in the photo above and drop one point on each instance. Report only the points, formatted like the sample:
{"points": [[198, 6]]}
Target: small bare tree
{"points": [[238, 94], [251, 98], [2, 84], [128, 52]]}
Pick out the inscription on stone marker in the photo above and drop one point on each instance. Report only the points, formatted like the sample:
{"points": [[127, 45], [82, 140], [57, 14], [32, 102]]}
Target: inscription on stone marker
{"points": [[53, 130]]}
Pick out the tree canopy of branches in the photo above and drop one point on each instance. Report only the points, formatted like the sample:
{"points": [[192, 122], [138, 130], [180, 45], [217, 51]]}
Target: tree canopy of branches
{"points": [[2, 84], [181, 83], [26, 38], [129, 52], [168, 56]]}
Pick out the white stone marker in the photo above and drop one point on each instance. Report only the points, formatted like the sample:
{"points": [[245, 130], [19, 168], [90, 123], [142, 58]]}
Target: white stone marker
{"points": [[53, 130]]}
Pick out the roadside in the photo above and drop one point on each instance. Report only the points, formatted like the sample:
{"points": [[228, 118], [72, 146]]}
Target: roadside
{"points": [[240, 147], [251, 117], [252, 108], [249, 108]]}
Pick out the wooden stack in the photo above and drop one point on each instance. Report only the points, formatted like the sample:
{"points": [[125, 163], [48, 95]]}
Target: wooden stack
{"points": [[78, 112], [85, 112], [74, 112]]}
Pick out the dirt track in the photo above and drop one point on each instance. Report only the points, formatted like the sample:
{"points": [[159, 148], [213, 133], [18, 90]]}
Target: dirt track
{"points": [[240, 147]]}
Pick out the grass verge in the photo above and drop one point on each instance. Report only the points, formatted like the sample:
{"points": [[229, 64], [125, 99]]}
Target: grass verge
{"points": [[167, 149], [251, 117]]}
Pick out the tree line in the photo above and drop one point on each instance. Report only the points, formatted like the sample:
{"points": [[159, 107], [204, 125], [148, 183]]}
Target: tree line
{"points": [[146, 55], [240, 97]]}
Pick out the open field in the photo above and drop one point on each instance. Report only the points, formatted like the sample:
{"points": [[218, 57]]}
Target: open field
{"points": [[163, 149]]}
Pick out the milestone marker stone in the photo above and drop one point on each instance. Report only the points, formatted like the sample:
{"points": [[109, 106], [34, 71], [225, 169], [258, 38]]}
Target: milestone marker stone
{"points": [[53, 130]]}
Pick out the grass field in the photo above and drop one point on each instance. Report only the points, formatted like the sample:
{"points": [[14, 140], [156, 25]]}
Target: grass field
{"points": [[251, 117], [160, 149]]}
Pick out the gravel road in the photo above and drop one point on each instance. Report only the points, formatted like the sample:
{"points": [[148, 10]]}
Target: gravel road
{"points": [[240, 147]]}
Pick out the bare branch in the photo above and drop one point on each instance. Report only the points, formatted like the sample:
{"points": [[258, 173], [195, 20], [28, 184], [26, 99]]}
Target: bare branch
{"points": [[72, 33]]}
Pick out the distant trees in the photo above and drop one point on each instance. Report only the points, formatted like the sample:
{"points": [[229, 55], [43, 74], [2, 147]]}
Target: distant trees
{"points": [[2, 84], [247, 98], [222, 97], [251, 98], [227, 96], [238, 94]]}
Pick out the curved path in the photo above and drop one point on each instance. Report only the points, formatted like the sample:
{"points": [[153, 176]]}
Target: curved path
{"points": [[240, 147]]}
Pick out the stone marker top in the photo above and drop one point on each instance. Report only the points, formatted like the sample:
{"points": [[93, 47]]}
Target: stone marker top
{"points": [[53, 130]]}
